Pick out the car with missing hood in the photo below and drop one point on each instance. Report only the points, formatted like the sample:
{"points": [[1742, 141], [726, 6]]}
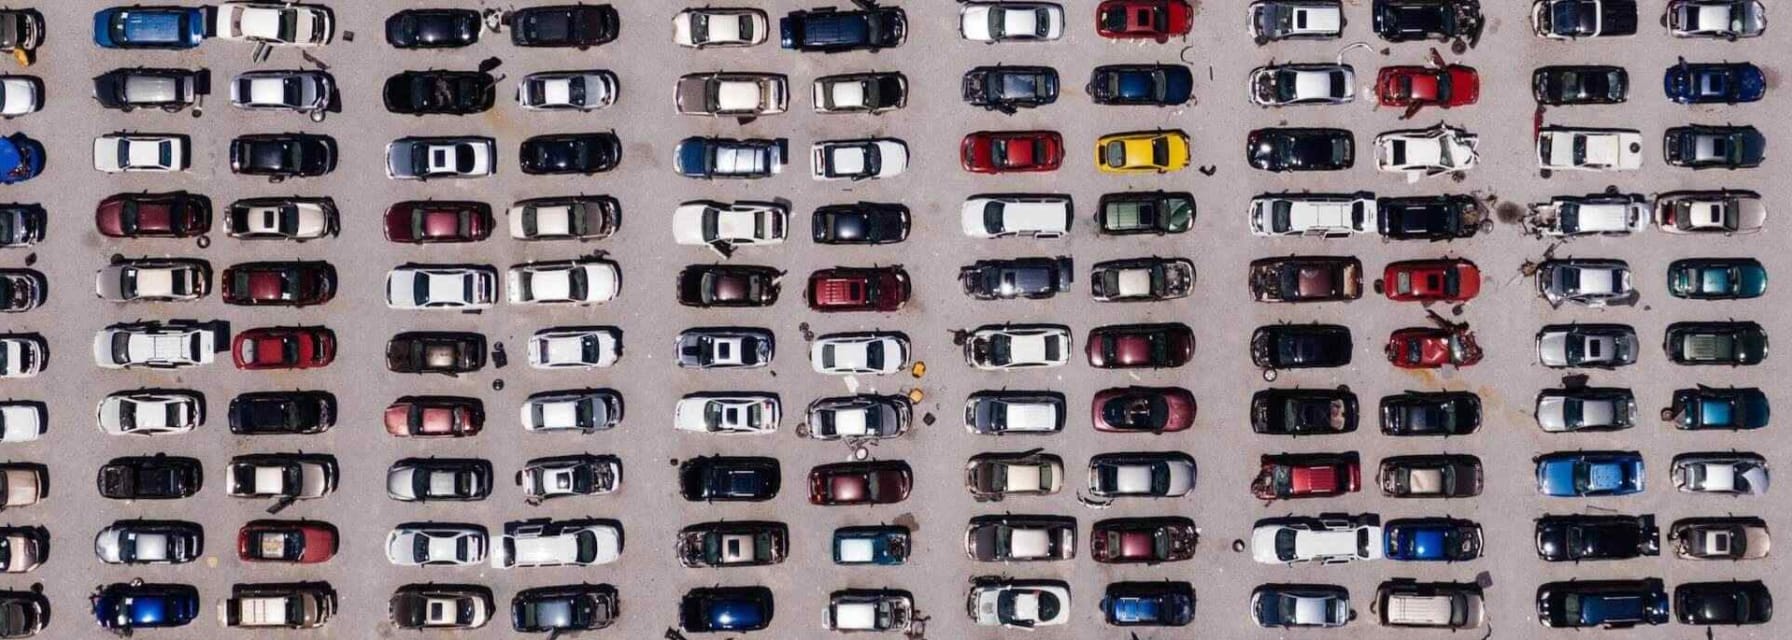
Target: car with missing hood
{"points": [[569, 476], [1146, 541], [1306, 475], [1306, 279]]}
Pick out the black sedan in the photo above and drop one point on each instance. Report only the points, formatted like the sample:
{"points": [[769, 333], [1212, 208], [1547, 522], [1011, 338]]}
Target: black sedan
{"points": [[557, 609], [168, 89], [1287, 346], [860, 223], [439, 91], [1301, 149], [1412, 20], [1573, 538], [1431, 413], [443, 352], [282, 412], [570, 153], [1714, 147], [1580, 84], [283, 155], [157, 477], [1735, 602], [1160, 85], [728, 286], [728, 479], [1009, 89], [1298, 412], [433, 28], [578, 26], [1007, 279], [1434, 218]]}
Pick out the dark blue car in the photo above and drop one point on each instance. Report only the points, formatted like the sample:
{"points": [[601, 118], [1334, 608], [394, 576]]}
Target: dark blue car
{"points": [[21, 158], [725, 609], [1141, 84], [138, 605], [1602, 603], [1580, 474], [1432, 540], [1714, 82], [1153, 604], [149, 27]]}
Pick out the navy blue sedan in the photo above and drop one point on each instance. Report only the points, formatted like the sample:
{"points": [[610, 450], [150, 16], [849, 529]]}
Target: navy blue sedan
{"points": [[138, 605], [149, 27], [725, 609], [1148, 84], [1153, 604], [1714, 82]]}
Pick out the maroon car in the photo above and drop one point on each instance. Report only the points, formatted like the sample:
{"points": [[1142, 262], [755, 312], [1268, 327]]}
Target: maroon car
{"points": [[279, 284], [1306, 475], [1143, 410], [432, 221], [1142, 540], [858, 289], [274, 348], [850, 483], [435, 417], [176, 214], [1140, 346]]}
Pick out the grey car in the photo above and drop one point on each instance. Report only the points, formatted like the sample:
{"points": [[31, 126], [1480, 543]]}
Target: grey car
{"points": [[1589, 282], [862, 416], [1007, 279], [1586, 409], [1598, 346], [725, 348]]}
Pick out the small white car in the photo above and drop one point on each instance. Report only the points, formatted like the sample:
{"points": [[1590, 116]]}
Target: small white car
{"points": [[21, 356], [583, 410], [458, 288], [564, 218], [567, 90], [864, 416], [303, 91], [128, 542], [546, 543], [141, 152], [1421, 153], [1609, 214], [421, 545], [731, 95], [149, 412], [1313, 214], [861, 159], [295, 219], [583, 281], [1007, 347], [719, 27], [1325, 540], [275, 23], [728, 413], [154, 345], [22, 420], [1587, 149], [20, 95], [991, 22], [568, 348], [871, 93], [1726, 19], [738, 223], [1284, 85], [859, 353], [1019, 604], [1001, 216], [152, 280]]}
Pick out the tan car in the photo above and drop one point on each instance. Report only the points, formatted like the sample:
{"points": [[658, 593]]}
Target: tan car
{"points": [[1721, 538], [25, 484]]}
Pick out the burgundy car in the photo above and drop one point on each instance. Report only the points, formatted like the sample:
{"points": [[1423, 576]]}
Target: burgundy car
{"points": [[279, 284], [284, 348], [296, 541], [435, 417], [850, 483], [1143, 410], [176, 214], [432, 221], [1142, 540], [1306, 475], [1011, 151], [1136, 346], [858, 289]]}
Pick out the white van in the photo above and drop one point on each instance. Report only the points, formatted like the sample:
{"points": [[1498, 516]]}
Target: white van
{"points": [[999, 216], [1404, 603]]}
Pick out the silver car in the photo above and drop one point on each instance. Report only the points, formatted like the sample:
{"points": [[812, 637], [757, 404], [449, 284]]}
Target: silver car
{"points": [[302, 91], [1590, 282], [1585, 409]]}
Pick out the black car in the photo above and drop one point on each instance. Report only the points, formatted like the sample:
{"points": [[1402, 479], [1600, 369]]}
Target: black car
{"points": [[1299, 412], [22, 225], [1440, 217], [433, 28], [151, 542], [728, 286], [830, 30], [1431, 413], [728, 479], [157, 477], [1006, 279], [577, 25], [438, 91], [570, 154], [860, 223], [1580, 84], [1715, 343], [1714, 147], [439, 479], [563, 608], [1442, 20], [1159, 85], [724, 609], [1573, 538], [1289, 346], [442, 352], [283, 155], [167, 89], [1009, 89], [1735, 602], [1149, 604], [1300, 149], [437, 606], [1602, 603], [282, 412]]}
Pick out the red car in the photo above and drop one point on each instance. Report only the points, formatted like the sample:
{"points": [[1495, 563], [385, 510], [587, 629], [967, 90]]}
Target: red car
{"points": [[1011, 151], [279, 284], [1154, 19], [175, 214], [1142, 540], [1439, 280], [435, 417], [1307, 475], [858, 289], [849, 483], [283, 348], [1413, 87], [298, 541], [1432, 348], [433, 221], [1143, 410], [1140, 346]]}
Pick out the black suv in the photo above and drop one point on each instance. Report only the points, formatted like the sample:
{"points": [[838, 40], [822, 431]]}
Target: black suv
{"points": [[728, 479], [570, 154], [577, 26], [157, 477], [1007, 279], [1300, 149], [830, 30], [1300, 346], [1443, 20], [573, 607], [1441, 217], [438, 91], [282, 412], [433, 28], [283, 155], [860, 223]]}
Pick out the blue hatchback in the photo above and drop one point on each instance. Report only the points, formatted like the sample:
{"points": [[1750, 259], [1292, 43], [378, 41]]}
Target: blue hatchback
{"points": [[1580, 474], [138, 605], [1153, 604], [1432, 540], [1714, 82], [149, 27]]}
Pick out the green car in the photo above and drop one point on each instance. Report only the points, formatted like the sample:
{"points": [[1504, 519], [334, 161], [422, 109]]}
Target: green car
{"points": [[1157, 212], [1717, 278]]}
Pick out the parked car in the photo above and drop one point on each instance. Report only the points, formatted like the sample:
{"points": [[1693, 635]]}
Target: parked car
{"points": [[1431, 413], [431, 479], [993, 477], [709, 158], [575, 347], [294, 541], [1438, 150], [425, 544], [437, 221], [126, 152], [436, 28], [1726, 212], [1721, 538], [1719, 19], [576, 26], [1013, 538], [1295, 84], [730, 224], [1306, 279], [991, 22], [22, 355], [157, 477], [1008, 279], [279, 156], [300, 605], [565, 218], [1583, 474], [1016, 215], [1142, 410], [149, 542], [1009, 89], [1585, 281], [1306, 475], [704, 27], [557, 609], [140, 27], [275, 348], [728, 479], [732, 413], [444, 352], [1602, 603], [278, 284], [1285, 346], [725, 609], [993, 152], [157, 345], [168, 89], [1733, 408], [455, 287], [841, 289], [879, 545], [1158, 85], [143, 412], [584, 90], [1604, 214], [853, 610], [1573, 538], [439, 92], [1329, 215], [1432, 540], [440, 606], [863, 416], [1576, 19], [1589, 149], [1437, 280], [725, 348], [1142, 152], [1577, 409], [1157, 20], [281, 476], [138, 605], [1714, 147], [728, 286], [1141, 212], [582, 410], [427, 158], [1329, 539], [831, 30], [282, 412], [1018, 604], [1731, 342], [570, 475], [1156, 474], [299, 91], [569, 154], [858, 159], [1448, 605], [1714, 82], [865, 353], [1412, 87], [1415, 20], [21, 225], [1276, 20], [1432, 218], [1300, 149], [581, 281], [271, 24], [856, 483], [1300, 605], [557, 543], [1597, 346], [1152, 604], [731, 94], [1733, 473], [1014, 412], [1298, 412], [1140, 346], [23, 421], [1430, 476], [294, 218], [1141, 279], [1143, 540], [1562, 85], [1733, 603], [145, 280]]}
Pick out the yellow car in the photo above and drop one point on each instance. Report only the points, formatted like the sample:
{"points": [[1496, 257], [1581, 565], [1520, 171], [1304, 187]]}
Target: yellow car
{"points": [[1145, 151]]}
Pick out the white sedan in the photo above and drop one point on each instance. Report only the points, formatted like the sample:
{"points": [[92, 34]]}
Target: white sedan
{"points": [[567, 90], [275, 23], [1584, 149], [1283, 85], [21, 356], [557, 544], [728, 413], [575, 348], [154, 345], [418, 286], [436, 544], [1427, 152], [585, 411], [22, 420], [1000, 348], [141, 152], [20, 95], [423, 158], [719, 27], [862, 159], [152, 280], [583, 281], [282, 218], [744, 222], [859, 353], [149, 412], [991, 22]]}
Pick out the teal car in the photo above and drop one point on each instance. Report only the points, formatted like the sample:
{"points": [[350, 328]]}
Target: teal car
{"points": [[1720, 408], [1717, 278]]}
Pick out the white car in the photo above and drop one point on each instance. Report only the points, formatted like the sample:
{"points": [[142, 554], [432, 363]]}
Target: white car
{"points": [[872, 353], [275, 23], [1727, 211], [1000, 413], [1420, 153], [547, 543], [1586, 149], [424, 158], [1610, 214], [20, 95], [736, 95], [1019, 604], [575, 348], [303, 91], [861, 159], [567, 90], [728, 413], [1325, 540], [1006, 347], [565, 218], [1283, 85], [719, 27], [584, 411], [1586, 345], [149, 412], [991, 22], [859, 417], [871, 93], [141, 152], [152, 280], [1001, 216], [1737, 474], [1296, 20], [429, 544], [297, 219], [22, 420], [1591, 282], [127, 542], [1313, 214], [738, 223], [21, 356], [458, 288], [154, 345], [1726, 19], [583, 281]]}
